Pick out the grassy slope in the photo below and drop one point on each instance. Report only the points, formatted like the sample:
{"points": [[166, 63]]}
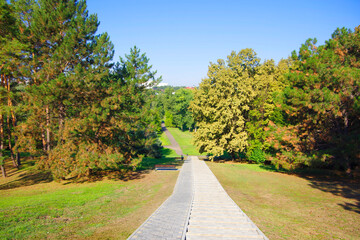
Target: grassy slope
{"points": [[103, 209], [164, 139], [290, 207], [185, 140], [167, 152]]}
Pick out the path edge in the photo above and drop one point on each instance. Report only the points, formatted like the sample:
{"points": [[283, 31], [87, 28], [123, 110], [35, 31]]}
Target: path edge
{"points": [[189, 158]]}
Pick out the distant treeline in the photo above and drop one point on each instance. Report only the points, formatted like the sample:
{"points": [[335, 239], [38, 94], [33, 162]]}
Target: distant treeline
{"points": [[302, 112], [172, 105], [62, 100]]}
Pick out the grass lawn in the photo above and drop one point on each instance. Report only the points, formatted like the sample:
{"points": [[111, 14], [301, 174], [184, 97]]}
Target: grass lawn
{"points": [[292, 207], [185, 140], [32, 206], [167, 152], [164, 139]]}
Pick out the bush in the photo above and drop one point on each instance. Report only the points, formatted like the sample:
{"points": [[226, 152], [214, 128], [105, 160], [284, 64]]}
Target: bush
{"points": [[257, 155]]}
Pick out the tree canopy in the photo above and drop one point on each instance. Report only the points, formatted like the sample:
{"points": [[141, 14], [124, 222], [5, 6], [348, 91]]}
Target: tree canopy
{"points": [[62, 98], [302, 112]]}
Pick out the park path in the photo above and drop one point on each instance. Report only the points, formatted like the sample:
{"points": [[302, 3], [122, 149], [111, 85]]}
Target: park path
{"points": [[198, 209], [213, 214], [174, 145]]}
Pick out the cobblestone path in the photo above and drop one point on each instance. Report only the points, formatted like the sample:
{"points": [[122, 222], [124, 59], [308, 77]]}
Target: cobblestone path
{"points": [[214, 215]]}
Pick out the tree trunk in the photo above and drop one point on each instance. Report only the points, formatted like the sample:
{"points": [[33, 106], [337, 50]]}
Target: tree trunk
{"points": [[61, 121], [3, 171], [10, 144], [13, 117], [233, 156], [47, 128], [2, 133], [2, 145], [14, 122], [43, 139]]}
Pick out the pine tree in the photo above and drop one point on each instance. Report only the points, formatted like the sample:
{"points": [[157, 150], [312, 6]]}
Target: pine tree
{"points": [[10, 55], [320, 103]]}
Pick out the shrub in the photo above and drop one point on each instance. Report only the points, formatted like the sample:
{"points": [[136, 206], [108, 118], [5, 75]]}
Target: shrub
{"points": [[257, 155]]}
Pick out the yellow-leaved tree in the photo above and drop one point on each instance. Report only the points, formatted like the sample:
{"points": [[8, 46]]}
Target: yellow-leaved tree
{"points": [[233, 105]]}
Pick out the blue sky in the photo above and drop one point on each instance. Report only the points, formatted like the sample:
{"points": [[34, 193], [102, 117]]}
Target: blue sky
{"points": [[181, 37]]}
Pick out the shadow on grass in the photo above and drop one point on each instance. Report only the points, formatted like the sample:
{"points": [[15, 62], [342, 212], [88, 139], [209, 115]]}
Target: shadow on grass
{"points": [[328, 181], [28, 179], [339, 187], [149, 163], [28, 176]]}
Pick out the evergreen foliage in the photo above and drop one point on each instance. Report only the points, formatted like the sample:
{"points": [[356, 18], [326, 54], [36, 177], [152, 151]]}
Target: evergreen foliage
{"points": [[75, 110], [320, 105]]}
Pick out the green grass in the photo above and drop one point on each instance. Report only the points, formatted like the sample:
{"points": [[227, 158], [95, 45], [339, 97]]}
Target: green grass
{"points": [[149, 163], [169, 153], [185, 140], [288, 206], [164, 139], [110, 209]]}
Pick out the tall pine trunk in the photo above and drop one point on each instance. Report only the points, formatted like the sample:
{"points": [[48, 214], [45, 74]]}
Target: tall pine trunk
{"points": [[43, 138], [47, 128], [10, 143], [2, 132], [61, 121], [3, 171], [14, 122]]}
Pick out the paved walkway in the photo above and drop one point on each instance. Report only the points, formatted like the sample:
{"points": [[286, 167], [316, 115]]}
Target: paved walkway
{"points": [[174, 145], [198, 209], [214, 215], [170, 220]]}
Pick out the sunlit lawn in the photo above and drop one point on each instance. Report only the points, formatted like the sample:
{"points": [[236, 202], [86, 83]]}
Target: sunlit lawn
{"points": [[185, 140], [292, 207], [32, 206], [164, 139]]}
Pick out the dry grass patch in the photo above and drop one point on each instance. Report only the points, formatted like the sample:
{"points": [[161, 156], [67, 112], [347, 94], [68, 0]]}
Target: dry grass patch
{"points": [[293, 207]]}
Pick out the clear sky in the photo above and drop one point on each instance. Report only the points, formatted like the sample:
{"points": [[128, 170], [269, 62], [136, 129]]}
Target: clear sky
{"points": [[181, 37]]}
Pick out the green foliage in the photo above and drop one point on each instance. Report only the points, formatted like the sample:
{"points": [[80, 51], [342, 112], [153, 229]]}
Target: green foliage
{"points": [[220, 102], [233, 105], [169, 119], [112, 131], [73, 108], [319, 104], [257, 156], [173, 105]]}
